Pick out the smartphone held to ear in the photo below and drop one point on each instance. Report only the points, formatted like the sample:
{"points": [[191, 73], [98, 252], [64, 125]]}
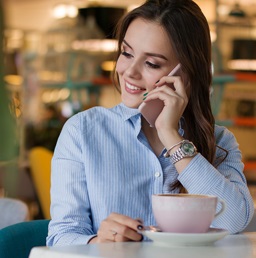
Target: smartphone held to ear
{"points": [[151, 110]]}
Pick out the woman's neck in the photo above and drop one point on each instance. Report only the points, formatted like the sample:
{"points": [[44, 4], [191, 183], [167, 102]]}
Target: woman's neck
{"points": [[152, 137]]}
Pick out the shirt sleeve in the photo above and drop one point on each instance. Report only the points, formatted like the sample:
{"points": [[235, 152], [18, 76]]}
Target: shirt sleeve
{"points": [[70, 209], [226, 181]]}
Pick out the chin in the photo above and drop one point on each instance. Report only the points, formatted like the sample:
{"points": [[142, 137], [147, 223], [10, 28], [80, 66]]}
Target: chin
{"points": [[130, 106], [130, 102]]}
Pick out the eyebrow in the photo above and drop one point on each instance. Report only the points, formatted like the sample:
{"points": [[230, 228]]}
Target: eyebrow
{"points": [[147, 53]]}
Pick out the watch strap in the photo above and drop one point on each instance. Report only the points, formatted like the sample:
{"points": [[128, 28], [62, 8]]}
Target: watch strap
{"points": [[179, 154], [167, 153]]}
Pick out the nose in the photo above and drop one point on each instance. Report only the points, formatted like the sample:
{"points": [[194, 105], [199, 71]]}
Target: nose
{"points": [[134, 70]]}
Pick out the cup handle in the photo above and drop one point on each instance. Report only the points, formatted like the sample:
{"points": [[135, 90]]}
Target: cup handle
{"points": [[223, 208]]}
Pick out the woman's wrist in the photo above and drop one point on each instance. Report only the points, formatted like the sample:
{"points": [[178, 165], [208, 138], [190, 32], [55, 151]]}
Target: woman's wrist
{"points": [[172, 149], [170, 138]]}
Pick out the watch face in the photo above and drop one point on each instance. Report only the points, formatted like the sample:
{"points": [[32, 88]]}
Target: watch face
{"points": [[188, 148]]}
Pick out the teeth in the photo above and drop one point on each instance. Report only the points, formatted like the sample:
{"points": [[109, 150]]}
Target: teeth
{"points": [[131, 87]]}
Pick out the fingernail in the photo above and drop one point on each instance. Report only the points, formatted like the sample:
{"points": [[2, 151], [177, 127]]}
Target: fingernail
{"points": [[140, 221], [145, 94], [144, 98], [139, 227], [158, 81]]}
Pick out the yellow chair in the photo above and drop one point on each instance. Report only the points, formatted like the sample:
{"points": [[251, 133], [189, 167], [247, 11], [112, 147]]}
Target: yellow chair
{"points": [[40, 166]]}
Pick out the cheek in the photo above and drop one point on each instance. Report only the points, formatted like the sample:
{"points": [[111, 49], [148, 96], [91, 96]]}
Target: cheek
{"points": [[120, 66]]}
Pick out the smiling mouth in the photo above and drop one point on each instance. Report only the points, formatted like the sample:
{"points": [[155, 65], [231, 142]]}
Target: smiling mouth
{"points": [[132, 87]]}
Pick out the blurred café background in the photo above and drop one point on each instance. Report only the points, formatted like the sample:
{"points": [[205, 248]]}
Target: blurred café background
{"points": [[58, 58]]}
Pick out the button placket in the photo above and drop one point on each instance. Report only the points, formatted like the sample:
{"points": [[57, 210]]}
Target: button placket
{"points": [[157, 174], [158, 182]]}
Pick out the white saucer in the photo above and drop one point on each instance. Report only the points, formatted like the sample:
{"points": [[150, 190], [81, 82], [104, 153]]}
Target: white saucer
{"points": [[185, 239]]}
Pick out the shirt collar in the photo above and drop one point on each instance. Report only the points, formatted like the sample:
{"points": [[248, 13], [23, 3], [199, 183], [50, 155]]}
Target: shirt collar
{"points": [[126, 112], [134, 115]]}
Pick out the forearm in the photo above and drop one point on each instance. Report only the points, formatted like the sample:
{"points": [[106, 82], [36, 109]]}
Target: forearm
{"points": [[229, 185]]}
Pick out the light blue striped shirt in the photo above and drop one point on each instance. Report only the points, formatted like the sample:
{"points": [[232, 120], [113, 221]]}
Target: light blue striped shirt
{"points": [[103, 163]]}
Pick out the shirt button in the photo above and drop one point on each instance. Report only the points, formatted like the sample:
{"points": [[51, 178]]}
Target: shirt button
{"points": [[157, 174]]}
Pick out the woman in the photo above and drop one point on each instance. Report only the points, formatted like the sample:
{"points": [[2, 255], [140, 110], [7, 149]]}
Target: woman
{"points": [[109, 162]]}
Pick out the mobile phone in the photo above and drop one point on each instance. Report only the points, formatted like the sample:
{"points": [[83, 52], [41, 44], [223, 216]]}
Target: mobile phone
{"points": [[151, 110]]}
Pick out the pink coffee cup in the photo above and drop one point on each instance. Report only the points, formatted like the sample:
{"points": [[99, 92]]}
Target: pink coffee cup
{"points": [[185, 213]]}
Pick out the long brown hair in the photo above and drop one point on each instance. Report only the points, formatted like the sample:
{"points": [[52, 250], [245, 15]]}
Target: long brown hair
{"points": [[189, 36]]}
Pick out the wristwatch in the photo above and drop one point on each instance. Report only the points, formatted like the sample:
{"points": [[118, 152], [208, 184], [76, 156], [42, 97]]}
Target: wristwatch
{"points": [[186, 149]]}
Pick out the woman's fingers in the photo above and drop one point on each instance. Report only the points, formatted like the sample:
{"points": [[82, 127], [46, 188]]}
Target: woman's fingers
{"points": [[124, 220], [125, 227], [119, 228], [175, 101], [174, 85], [174, 96]]}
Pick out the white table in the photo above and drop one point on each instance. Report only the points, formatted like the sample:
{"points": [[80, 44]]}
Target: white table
{"points": [[232, 246]]}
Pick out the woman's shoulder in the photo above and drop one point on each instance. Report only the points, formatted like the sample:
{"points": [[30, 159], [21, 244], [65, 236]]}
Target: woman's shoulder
{"points": [[94, 114], [224, 137]]}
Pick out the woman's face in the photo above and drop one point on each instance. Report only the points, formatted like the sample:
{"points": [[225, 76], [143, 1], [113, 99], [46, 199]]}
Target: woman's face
{"points": [[146, 56]]}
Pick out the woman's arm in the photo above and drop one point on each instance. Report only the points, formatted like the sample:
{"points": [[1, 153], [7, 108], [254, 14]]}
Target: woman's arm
{"points": [[227, 181], [70, 206]]}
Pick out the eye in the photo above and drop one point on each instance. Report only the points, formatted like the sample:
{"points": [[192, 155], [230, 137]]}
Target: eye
{"points": [[151, 65], [126, 54]]}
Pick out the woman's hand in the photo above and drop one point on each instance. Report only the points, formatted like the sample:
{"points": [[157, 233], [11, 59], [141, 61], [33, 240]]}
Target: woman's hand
{"points": [[118, 228], [171, 90]]}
